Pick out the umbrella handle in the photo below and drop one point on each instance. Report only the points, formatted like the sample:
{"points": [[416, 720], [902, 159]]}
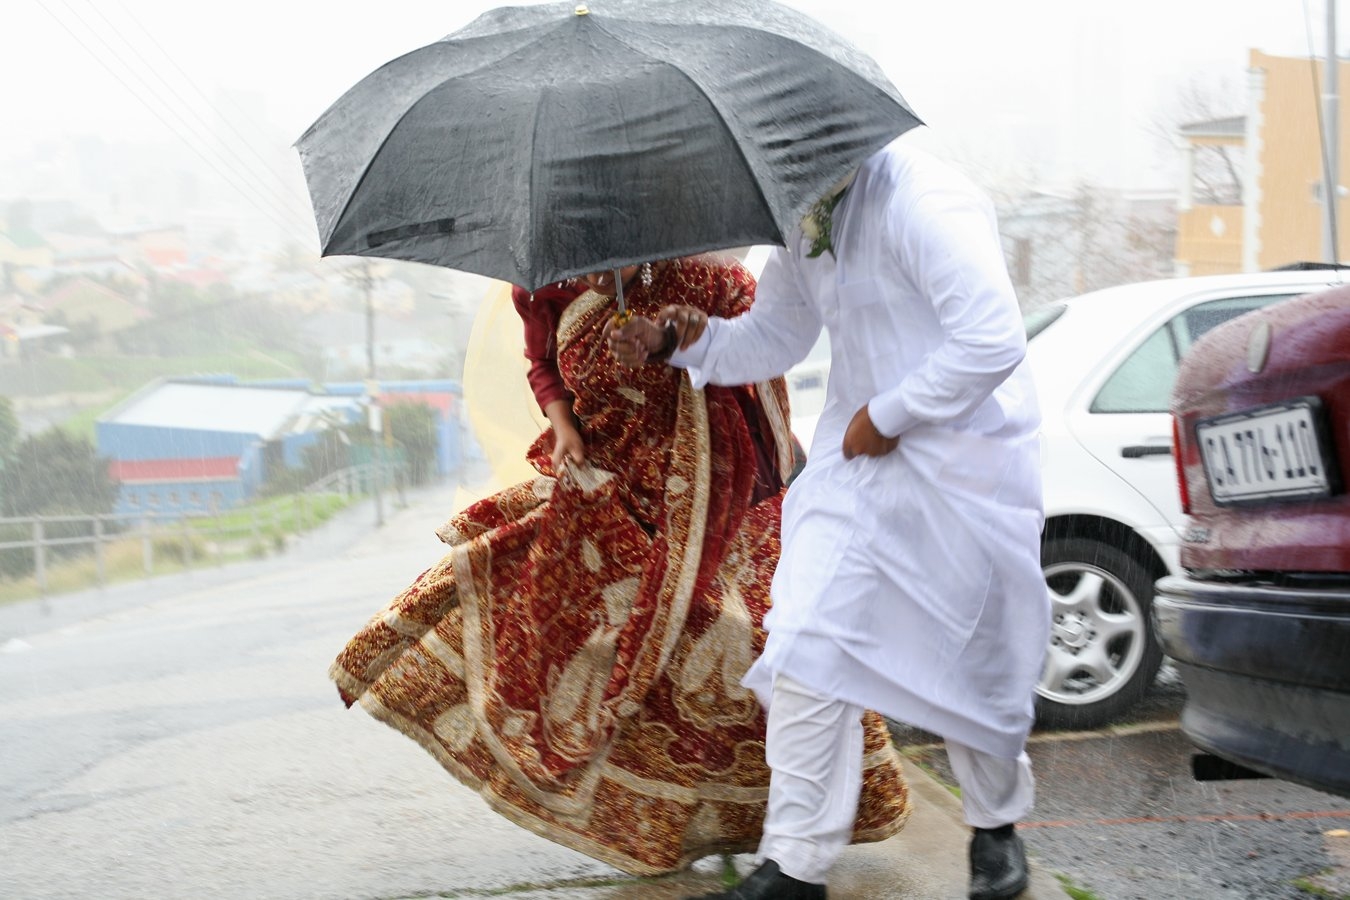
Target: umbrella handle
{"points": [[623, 316]]}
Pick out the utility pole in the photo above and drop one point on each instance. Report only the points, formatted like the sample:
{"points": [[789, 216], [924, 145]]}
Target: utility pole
{"points": [[362, 278], [1331, 167]]}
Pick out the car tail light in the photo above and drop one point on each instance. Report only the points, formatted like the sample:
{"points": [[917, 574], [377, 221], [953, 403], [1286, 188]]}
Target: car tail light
{"points": [[1182, 487]]}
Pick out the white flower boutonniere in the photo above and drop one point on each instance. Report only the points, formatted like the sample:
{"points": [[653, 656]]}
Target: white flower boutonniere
{"points": [[818, 223], [810, 227]]}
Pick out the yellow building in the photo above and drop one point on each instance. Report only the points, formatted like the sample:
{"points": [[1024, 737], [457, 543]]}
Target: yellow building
{"points": [[1272, 215]]}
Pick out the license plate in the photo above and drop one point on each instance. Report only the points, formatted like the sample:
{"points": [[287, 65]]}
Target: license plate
{"points": [[1276, 452]]}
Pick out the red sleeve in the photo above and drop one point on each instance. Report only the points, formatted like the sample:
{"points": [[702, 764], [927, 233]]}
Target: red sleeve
{"points": [[540, 314]]}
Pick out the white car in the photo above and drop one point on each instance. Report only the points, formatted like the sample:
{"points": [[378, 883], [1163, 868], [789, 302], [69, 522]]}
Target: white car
{"points": [[1104, 364]]}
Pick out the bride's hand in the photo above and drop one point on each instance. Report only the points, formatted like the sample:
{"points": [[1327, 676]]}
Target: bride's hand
{"points": [[568, 445], [633, 342]]}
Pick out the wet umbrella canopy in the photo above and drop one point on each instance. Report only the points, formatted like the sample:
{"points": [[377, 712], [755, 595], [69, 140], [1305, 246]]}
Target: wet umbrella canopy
{"points": [[547, 141]]}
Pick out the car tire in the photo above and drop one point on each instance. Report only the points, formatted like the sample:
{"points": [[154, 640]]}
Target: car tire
{"points": [[1103, 654]]}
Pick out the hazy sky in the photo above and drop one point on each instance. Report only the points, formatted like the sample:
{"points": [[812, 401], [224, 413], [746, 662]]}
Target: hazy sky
{"points": [[1045, 90]]}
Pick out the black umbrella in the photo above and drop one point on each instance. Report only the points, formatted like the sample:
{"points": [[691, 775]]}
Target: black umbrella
{"points": [[542, 142]]}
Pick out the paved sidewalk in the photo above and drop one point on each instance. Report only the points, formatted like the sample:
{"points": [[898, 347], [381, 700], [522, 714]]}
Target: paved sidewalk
{"points": [[925, 861]]}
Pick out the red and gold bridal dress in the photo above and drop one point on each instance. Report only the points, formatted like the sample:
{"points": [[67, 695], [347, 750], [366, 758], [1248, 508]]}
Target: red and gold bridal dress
{"points": [[577, 656]]}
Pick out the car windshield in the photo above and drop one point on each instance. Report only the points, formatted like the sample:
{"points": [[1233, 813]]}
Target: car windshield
{"points": [[1041, 318]]}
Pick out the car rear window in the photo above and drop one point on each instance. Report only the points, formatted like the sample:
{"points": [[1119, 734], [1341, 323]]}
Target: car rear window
{"points": [[1041, 318], [1143, 382]]}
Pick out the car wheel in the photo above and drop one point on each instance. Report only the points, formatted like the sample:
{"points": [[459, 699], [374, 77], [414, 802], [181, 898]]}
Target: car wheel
{"points": [[1102, 655]]}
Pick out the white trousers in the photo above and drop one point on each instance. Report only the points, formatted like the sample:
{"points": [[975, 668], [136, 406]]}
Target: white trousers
{"points": [[814, 748]]}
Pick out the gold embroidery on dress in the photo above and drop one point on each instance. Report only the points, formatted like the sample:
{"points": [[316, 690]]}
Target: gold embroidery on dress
{"points": [[576, 315], [590, 555], [619, 598], [403, 626], [444, 654], [573, 722], [456, 727], [774, 401]]}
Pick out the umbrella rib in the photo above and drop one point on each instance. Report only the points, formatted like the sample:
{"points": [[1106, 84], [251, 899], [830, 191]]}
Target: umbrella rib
{"points": [[824, 59], [533, 234], [721, 119], [389, 132], [365, 170]]}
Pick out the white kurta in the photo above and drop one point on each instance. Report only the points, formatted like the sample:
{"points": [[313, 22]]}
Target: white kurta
{"points": [[909, 583]]}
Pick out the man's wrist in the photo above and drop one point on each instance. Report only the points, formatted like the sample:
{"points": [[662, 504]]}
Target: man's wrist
{"points": [[670, 339]]}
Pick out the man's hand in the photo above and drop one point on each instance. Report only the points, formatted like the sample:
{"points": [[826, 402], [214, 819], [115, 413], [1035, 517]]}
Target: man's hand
{"points": [[862, 438], [689, 323], [633, 342]]}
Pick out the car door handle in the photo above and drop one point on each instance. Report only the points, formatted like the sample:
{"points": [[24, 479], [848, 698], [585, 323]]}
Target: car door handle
{"points": [[1135, 451]]}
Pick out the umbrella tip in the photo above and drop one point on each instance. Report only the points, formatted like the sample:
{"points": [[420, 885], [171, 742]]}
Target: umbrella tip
{"points": [[582, 10]]}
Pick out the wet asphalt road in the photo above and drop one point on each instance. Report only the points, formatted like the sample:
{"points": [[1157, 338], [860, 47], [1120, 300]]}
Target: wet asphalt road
{"points": [[1119, 815], [180, 740]]}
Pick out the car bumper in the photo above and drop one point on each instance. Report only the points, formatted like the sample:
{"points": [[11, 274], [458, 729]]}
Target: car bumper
{"points": [[1266, 672]]}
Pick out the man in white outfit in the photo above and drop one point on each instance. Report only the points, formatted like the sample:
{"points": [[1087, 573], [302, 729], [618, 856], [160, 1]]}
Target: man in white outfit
{"points": [[910, 579]]}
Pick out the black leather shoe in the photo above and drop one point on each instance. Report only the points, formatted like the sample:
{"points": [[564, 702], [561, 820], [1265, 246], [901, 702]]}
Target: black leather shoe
{"points": [[998, 864], [768, 883]]}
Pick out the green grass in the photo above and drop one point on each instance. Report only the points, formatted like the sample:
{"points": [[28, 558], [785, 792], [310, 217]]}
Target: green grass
{"points": [[275, 515], [56, 375], [730, 877], [1310, 886], [127, 374], [81, 424], [1073, 890], [123, 561], [218, 540]]}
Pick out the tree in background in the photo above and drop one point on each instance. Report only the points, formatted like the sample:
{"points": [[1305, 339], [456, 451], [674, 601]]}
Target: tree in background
{"points": [[413, 426], [1085, 238], [1217, 168], [53, 473], [9, 431]]}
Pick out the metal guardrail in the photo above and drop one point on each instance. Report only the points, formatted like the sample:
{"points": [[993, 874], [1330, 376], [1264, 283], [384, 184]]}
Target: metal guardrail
{"points": [[161, 530]]}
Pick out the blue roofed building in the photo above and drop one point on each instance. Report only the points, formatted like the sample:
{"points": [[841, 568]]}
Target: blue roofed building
{"points": [[200, 445]]}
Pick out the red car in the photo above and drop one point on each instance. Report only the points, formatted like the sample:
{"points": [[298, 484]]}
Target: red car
{"points": [[1259, 625]]}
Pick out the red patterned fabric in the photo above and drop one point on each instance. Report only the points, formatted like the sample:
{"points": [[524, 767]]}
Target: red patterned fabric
{"points": [[577, 656]]}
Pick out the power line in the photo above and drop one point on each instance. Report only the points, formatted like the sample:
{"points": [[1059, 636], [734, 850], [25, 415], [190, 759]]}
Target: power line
{"points": [[188, 79], [210, 137], [286, 227]]}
